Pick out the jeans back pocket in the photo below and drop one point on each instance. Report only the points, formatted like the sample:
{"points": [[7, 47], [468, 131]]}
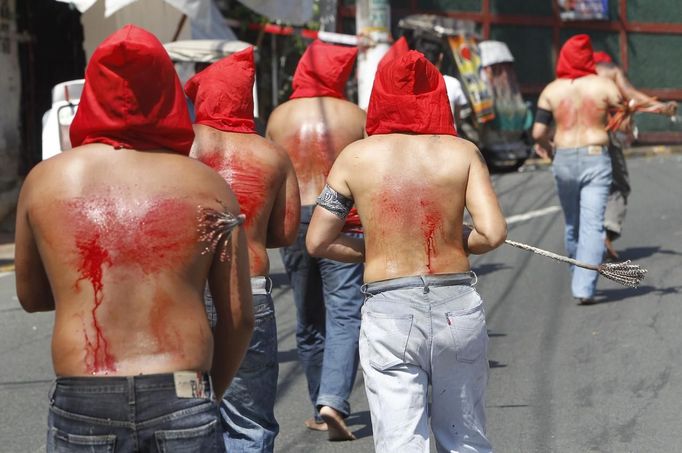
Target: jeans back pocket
{"points": [[387, 336], [61, 442], [200, 439], [469, 333]]}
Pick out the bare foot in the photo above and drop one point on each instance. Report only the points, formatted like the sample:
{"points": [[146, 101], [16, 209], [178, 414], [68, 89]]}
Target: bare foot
{"points": [[315, 426], [337, 427]]}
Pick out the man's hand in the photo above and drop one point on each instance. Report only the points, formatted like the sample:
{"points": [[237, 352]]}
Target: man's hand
{"points": [[669, 108], [544, 153]]}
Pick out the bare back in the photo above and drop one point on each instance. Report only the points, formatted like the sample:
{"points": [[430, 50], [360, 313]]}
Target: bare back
{"points": [[313, 131], [263, 179], [580, 108], [117, 234], [411, 191]]}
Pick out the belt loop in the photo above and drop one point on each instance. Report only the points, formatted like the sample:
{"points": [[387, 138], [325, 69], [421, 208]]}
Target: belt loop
{"points": [[425, 282], [53, 389], [268, 285], [475, 277]]}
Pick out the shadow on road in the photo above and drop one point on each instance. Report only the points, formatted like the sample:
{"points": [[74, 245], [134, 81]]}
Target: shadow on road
{"points": [[636, 253], [618, 295], [360, 418], [489, 268]]}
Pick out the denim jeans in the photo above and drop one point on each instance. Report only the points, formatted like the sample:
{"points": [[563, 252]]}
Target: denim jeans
{"points": [[328, 302], [248, 405], [134, 413], [583, 179], [420, 331]]}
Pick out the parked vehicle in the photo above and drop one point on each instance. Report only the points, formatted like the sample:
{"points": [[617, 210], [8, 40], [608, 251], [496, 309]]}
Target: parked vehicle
{"points": [[497, 119]]}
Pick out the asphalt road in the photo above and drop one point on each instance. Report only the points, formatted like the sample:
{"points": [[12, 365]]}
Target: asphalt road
{"points": [[563, 377]]}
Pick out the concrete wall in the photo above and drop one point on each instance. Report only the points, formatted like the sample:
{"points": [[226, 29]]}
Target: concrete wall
{"points": [[10, 88]]}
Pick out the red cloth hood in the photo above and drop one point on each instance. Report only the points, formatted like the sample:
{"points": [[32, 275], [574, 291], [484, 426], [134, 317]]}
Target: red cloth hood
{"points": [[409, 95], [223, 93], [602, 57], [576, 58], [398, 49], [132, 97], [323, 70]]}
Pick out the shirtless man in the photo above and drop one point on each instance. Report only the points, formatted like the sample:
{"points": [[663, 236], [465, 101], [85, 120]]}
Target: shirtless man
{"points": [[313, 127], [616, 205], [578, 100], [115, 236], [411, 181], [261, 175]]}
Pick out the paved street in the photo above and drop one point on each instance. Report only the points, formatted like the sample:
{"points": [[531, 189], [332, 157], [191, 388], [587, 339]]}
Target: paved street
{"points": [[563, 377]]}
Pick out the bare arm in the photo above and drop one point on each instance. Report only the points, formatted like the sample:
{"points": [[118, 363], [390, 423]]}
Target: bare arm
{"points": [[33, 287], [541, 132], [324, 237], [630, 92], [490, 228], [286, 212], [230, 287]]}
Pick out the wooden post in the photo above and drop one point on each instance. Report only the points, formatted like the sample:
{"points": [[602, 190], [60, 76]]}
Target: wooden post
{"points": [[373, 25]]}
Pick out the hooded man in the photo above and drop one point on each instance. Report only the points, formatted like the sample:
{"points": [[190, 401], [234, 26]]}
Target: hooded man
{"points": [[411, 181], [313, 127], [262, 176], [578, 101], [616, 206], [119, 236]]}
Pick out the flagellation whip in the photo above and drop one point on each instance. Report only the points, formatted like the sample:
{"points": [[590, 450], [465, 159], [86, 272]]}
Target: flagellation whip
{"points": [[625, 273]]}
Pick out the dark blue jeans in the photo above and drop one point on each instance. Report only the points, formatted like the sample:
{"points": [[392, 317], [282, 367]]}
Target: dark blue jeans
{"points": [[135, 413], [248, 406], [328, 302]]}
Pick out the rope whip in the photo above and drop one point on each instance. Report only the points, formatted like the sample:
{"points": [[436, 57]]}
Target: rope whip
{"points": [[625, 273]]}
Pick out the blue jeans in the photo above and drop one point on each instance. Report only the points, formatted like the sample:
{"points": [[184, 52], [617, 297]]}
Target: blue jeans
{"points": [[328, 302], [134, 413], [583, 179], [418, 332], [248, 406]]}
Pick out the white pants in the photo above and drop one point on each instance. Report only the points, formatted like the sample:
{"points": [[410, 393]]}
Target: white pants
{"points": [[421, 331]]}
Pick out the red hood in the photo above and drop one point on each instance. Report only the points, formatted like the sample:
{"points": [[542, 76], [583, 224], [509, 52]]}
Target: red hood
{"points": [[409, 95], [132, 97], [223, 93], [602, 57], [398, 49], [323, 70], [576, 58]]}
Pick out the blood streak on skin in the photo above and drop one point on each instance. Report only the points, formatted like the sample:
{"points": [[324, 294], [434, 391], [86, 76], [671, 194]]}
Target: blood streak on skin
{"points": [[585, 112], [392, 204], [147, 238], [312, 152], [93, 258], [244, 178]]}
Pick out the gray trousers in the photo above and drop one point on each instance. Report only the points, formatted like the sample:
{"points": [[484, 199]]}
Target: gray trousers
{"points": [[617, 203], [420, 332]]}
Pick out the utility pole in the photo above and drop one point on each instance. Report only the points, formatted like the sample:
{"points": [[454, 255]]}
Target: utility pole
{"points": [[328, 10], [373, 25]]}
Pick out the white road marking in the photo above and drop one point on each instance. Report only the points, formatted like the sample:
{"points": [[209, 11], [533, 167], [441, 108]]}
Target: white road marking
{"points": [[532, 214]]}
